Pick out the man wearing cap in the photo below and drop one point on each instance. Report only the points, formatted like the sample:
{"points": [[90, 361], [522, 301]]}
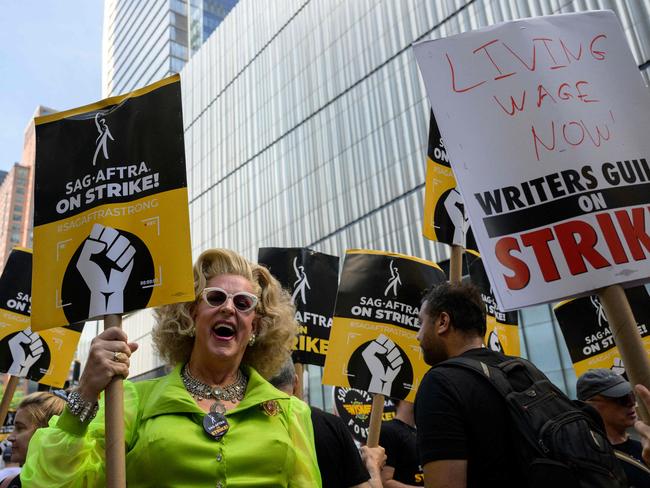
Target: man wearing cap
{"points": [[612, 396]]}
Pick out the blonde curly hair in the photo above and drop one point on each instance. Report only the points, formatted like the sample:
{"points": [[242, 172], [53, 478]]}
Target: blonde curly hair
{"points": [[276, 327]]}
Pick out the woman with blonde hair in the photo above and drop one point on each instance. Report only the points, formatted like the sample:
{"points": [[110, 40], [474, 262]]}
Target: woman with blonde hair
{"points": [[33, 412], [214, 420]]}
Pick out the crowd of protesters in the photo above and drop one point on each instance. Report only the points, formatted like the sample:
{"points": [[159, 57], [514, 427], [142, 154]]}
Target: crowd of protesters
{"points": [[226, 414]]}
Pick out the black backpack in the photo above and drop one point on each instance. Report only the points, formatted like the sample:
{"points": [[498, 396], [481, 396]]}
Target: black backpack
{"points": [[558, 444]]}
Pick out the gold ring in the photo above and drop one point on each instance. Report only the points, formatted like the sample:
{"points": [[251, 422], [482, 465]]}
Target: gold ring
{"points": [[119, 357]]}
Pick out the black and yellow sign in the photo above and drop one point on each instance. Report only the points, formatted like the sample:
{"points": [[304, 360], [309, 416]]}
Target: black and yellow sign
{"points": [[312, 278], [502, 327], [111, 223], [354, 406], [43, 356], [445, 219], [587, 333], [373, 345]]}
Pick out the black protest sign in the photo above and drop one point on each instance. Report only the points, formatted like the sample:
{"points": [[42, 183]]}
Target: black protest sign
{"points": [[373, 345], [445, 219], [43, 356], [111, 221], [312, 279], [587, 334], [354, 406], [502, 327]]}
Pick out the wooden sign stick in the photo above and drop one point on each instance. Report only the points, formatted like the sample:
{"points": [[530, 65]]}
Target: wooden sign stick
{"points": [[456, 264], [376, 415], [627, 338], [7, 397], [114, 407]]}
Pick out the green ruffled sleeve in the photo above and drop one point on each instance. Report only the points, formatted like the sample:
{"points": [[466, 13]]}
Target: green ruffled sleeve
{"points": [[68, 453], [306, 473]]}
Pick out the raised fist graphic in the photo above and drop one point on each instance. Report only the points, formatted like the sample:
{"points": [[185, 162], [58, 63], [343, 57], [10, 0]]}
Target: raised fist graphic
{"points": [[383, 373], [105, 264], [455, 208], [26, 348]]}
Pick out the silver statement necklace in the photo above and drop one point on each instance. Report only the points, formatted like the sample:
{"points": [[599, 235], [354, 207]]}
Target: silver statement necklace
{"points": [[215, 423], [199, 390]]}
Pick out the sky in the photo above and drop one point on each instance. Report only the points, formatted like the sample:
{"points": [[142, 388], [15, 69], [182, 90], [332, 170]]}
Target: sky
{"points": [[50, 54]]}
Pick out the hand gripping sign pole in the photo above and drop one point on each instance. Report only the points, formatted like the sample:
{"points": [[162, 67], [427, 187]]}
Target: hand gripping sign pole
{"points": [[114, 422], [7, 397], [627, 338]]}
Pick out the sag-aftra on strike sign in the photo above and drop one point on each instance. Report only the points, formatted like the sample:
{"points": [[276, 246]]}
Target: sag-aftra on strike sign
{"points": [[546, 124]]}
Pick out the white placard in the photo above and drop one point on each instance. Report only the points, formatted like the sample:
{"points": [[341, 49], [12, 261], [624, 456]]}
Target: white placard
{"points": [[547, 123]]}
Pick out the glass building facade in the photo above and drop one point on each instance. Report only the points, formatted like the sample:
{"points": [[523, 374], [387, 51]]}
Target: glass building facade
{"points": [[307, 126], [142, 43], [147, 40], [204, 17]]}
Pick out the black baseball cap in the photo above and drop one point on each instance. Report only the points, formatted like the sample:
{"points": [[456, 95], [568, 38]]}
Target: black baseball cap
{"points": [[602, 382]]}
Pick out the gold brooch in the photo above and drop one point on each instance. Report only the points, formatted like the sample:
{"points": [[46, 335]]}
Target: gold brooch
{"points": [[271, 408]]}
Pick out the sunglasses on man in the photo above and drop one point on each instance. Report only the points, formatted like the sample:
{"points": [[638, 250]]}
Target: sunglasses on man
{"points": [[628, 400]]}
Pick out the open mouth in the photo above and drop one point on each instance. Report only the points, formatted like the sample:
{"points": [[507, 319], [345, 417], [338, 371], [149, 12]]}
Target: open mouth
{"points": [[224, 332]]}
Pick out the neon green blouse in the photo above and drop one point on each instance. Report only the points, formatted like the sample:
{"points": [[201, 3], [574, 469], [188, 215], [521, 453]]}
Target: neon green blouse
{"points": [[167, 446]]}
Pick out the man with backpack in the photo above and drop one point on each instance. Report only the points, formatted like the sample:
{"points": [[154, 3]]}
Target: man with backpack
{"points": [[485, 419]]}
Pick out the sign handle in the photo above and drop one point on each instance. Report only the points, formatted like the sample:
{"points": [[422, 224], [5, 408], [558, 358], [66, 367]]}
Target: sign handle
{"points": [[114, 403], [7, 397], [627, 338], [300, 388], [376, 415], [456, 264]]}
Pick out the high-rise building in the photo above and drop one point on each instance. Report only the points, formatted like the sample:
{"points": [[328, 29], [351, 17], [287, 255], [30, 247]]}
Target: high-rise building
{"points": [[17, 195], [204, 17], [307, 126], [146, 41]]}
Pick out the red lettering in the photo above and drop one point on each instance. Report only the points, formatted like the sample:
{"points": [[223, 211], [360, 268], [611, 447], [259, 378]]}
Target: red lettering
{"points": [[537, 139], [542, 92], [634, 231], [598, 55], [521, 276], [611, 237], [564, 95], [533, 62], [583, 96], [513, 104], [539, 240], [577, 251], [601, 137], [566, 138], [453, 79], [567, 52], [487, 53], [545, 40]]}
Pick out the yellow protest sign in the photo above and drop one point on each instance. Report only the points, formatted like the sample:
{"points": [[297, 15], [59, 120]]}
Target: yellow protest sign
{"points": [[373, 345], [111, 222], [43, 356], [587, 334]]}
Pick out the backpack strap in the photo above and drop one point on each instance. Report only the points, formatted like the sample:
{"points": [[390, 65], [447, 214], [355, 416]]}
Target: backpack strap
{"points": [[494, 375]]}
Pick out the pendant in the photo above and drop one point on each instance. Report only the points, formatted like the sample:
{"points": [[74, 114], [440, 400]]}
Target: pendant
{"points": [[215, 425]]}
